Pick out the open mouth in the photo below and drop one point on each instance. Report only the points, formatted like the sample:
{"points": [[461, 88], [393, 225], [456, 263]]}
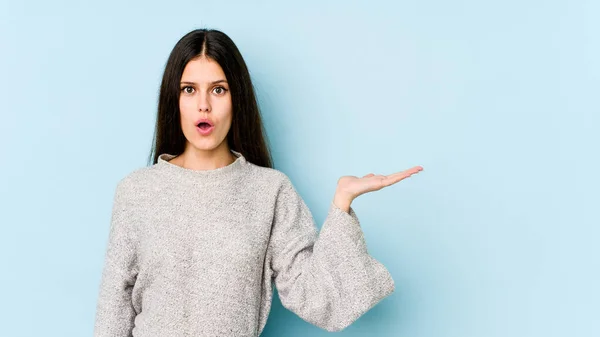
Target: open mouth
{"points": [[204, 126]]}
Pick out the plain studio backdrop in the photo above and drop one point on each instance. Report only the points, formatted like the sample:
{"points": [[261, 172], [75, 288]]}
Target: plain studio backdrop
{"points": [[497, 100]]}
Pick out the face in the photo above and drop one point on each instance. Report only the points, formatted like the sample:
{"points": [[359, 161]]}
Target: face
{"points": [[205, 97]]}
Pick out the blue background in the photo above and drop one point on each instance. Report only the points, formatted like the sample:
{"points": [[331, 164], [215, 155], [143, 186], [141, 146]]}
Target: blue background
{"points": [[497, 100]]}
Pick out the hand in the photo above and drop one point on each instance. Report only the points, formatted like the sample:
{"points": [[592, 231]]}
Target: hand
{"points": [[350, 187]]}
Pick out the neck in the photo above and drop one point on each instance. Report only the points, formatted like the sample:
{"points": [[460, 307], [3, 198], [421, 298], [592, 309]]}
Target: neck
{"points": [[195, 159]]}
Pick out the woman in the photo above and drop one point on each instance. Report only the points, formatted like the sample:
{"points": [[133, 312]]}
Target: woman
{"points": [[198, 236]]}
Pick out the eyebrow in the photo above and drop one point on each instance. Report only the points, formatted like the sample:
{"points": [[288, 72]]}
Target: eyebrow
{"points": [[214, 82]]}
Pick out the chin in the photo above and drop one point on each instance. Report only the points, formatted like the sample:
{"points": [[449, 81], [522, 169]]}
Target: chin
{"points": [[205, 145]]}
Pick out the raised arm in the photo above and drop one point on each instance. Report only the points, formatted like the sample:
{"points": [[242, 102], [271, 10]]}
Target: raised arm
{"points": [[327, 278]]}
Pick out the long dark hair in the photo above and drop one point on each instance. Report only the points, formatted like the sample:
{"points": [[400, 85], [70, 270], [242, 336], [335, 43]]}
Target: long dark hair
{"points": [[247, 134]]}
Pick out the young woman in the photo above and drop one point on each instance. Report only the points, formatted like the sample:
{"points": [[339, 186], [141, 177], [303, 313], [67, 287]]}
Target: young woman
{"points": [[198, 237]]}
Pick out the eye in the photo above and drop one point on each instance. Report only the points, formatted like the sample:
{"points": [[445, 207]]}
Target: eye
{"points": [[187, 90], [221, 90]]}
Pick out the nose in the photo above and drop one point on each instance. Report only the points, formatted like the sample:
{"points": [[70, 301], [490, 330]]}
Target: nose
{"points": [[203, 102]]}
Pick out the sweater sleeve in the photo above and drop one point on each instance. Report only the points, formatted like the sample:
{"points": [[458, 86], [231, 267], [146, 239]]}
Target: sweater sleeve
{"points": [[115, 313], [328, 279]]}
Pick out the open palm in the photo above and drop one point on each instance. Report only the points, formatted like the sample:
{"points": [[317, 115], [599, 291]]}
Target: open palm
{"points": [[355, 186]]}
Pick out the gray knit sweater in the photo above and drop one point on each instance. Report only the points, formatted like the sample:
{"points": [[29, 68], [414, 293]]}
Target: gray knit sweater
{"points": [[195, 253]]}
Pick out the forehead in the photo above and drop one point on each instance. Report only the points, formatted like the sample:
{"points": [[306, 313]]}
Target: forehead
{"points": [[202, 70]]}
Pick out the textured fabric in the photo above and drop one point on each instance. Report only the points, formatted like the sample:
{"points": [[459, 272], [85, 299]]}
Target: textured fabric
{"points": [[195, 253]]}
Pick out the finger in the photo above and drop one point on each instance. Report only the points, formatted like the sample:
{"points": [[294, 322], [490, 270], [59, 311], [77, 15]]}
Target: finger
{"points": [[368, 175], [396, 177], [407, 173]]}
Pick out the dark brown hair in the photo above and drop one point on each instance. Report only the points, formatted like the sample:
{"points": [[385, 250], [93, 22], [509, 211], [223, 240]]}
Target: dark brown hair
{"points": [[247, 134]]}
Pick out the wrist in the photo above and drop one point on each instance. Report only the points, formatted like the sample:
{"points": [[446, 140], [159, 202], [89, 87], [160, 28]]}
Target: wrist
{"points": [[342, 202]]}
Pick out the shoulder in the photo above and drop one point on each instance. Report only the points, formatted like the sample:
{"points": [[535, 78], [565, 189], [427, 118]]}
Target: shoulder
{"points": [[136, 180], [273, 184], [268, 177], [273, 175]]}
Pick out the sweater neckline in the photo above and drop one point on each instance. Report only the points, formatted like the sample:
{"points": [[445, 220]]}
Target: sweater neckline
{"points": [[218, 173]]}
